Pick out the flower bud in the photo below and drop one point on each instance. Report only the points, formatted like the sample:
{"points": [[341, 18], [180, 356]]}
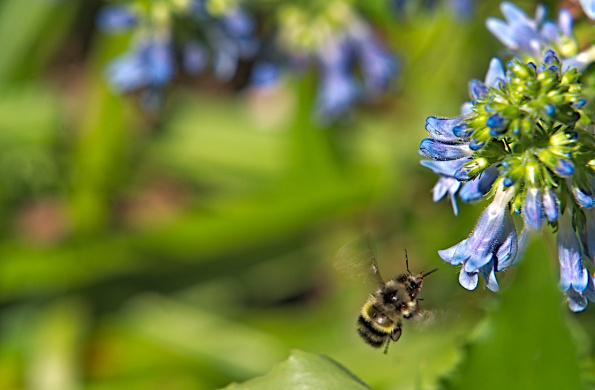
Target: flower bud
{"points": [[551, 205]]}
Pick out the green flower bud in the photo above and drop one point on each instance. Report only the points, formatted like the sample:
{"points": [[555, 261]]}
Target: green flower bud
{"points": [[517, 203], [533, 173], [477, 165]]}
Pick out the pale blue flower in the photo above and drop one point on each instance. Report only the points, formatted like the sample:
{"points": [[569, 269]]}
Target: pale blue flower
{"points": [[574, 277], [490, 248], [116, 18], [589, 8], [150, 64], [533, 212]]}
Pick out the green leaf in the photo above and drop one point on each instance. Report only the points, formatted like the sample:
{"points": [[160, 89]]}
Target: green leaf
{"points": [[303, 370], [525, 343]]}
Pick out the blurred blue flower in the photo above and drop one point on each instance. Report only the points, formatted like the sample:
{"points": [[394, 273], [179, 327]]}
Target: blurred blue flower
{"points": [[533, 211], [352, 64], [589, 8], [116, 18], [163, 33], [149, 64], [265, 74], [534, 36], [194, 57]]}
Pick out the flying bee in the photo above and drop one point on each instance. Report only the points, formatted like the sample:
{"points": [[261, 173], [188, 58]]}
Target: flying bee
{"points": [[380, 319]]}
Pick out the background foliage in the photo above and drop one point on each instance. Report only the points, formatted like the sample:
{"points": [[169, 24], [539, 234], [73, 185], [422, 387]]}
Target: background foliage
{"points": [[196, 247]]}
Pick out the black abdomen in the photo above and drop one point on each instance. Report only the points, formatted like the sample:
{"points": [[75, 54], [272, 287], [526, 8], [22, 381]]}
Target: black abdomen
{"points": [[371, 335]]}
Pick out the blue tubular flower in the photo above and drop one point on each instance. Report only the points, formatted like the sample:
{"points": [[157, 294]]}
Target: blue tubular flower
{"points": [[475, 189], [578, 301], [518, 32], [450, 186], [551, 204], [443, 129], [534, 36], [492, 242], [447, 168], [533, 213], [437, 150], [574, 277], [583, 195], [450, 142]]}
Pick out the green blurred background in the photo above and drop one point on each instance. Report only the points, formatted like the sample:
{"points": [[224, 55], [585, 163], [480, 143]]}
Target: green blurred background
{"points": [[197, 247]]}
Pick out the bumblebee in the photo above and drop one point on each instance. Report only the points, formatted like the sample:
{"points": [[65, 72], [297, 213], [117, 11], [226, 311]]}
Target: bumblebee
{"points": [[380, 319]]}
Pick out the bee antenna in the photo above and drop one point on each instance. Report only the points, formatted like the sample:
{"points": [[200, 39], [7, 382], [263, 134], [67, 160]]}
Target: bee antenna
{"points": [[407, 261], [427, 273]]}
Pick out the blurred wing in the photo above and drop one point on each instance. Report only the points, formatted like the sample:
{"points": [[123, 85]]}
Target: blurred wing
{"points": [[357, 260]]}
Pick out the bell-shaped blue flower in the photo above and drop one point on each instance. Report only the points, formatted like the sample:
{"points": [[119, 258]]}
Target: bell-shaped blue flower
{"points": [[573, 274], [495, 74], [443, 129], [447, 185], [446, 168], [551, 204], [497, 124], [583, 195], [437, 150], [518, 32], [578, 301], [475, 189], [533, 213], [493, 241], [477, 89]]}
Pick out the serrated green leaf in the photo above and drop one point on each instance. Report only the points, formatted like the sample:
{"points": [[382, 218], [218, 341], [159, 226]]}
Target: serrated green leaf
{"points": [[303, 370]]}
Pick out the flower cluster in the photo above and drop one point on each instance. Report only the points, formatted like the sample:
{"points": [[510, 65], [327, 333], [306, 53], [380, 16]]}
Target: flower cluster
{"points": [[526, 140], [220, 35], [352, 63]]}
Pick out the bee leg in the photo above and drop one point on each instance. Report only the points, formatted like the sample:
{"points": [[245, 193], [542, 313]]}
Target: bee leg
{"points": [[396, 333], [386, 348], [414, 314]]}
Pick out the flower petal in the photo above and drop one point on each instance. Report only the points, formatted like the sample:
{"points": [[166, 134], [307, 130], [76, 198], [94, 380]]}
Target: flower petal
{"points": [[441, 129], [468, 280], [449, 254], [533, 214], [437, 150]]}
